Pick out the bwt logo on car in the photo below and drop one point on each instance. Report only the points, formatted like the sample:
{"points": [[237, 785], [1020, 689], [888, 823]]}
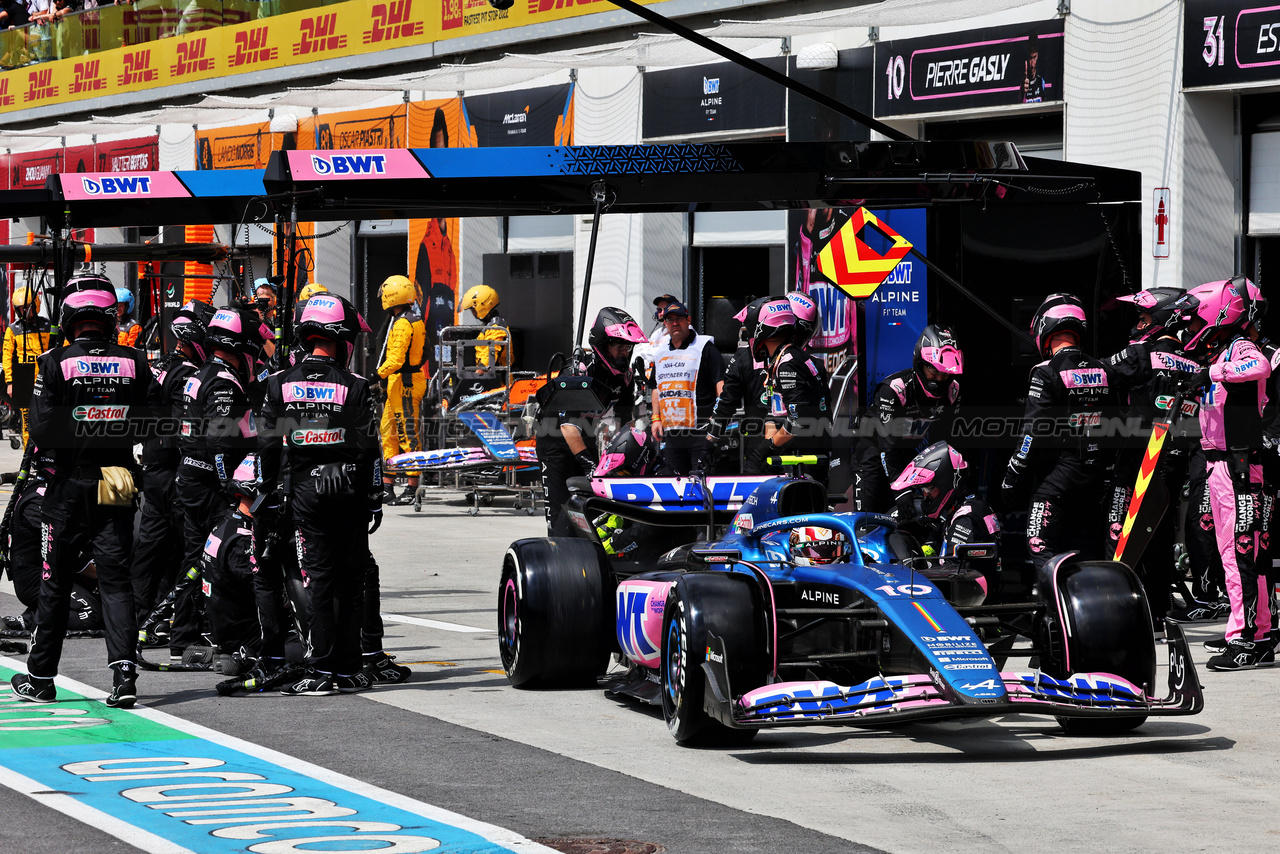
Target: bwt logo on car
{"points": [[349, 164], [87, 368], [125, 185]]}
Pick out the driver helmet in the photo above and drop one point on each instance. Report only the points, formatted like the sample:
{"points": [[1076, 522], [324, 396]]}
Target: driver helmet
{"points": [[631, 453], [938, 349], [935, 478], [815, 546]]}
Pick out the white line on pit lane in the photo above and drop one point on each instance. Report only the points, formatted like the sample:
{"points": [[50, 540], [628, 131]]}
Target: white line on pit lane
{"points": [[433, 624], [154, 844], [69, 806]]}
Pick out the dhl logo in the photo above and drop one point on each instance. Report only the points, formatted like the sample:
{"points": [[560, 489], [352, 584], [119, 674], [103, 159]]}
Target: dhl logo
{"points": [[251, 48], [318, 35], [40, 85], [391, 22], [539, 6], [6, 100], [87, 77], [193, 58], [137, 69]]}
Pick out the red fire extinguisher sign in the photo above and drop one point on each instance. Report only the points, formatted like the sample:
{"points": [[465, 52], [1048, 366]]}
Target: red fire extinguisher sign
{"points": [[1160, 224]]}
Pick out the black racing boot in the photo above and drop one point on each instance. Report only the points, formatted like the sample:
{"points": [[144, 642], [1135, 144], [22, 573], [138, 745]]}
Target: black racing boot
{"points": [[125, 692], [33, 690]]}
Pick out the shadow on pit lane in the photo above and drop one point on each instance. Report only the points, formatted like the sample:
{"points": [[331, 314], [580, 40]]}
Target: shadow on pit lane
{"points": [[991, 743]]}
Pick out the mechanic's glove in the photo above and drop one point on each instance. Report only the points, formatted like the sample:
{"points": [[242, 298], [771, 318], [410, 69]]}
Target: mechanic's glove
{"points": [[755, 461], [587, 464], [333, 479], [714, 430], [1199, 379], [1009, 491], [376, 519], [607, 525]]}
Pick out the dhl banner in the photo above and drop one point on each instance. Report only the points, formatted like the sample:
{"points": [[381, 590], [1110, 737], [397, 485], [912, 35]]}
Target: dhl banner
{"points": [[326, 32], [239, 147]]}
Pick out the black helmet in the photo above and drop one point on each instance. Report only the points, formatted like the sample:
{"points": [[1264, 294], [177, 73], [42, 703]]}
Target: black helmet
{"points": [[631, 453], [238, 330], [936, 476], [190, 323], [90, 297], [332, 317], [937, 348], [1157, 302], [615, 324], [1058, 313]]}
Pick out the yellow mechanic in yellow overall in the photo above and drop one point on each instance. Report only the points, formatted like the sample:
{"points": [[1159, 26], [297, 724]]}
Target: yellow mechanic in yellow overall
{"points": [[483, 302], [25, 339], [403, 354]]}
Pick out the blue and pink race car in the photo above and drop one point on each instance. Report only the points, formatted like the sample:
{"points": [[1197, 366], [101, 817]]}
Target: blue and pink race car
{"points": [[733, 631]]}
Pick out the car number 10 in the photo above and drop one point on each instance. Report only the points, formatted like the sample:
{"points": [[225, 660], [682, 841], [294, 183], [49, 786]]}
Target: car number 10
{"points": [[905, 590]]}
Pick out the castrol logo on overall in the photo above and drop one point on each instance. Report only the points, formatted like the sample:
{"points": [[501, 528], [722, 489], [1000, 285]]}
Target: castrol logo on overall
{"points": [[319, 437], [100, 413]]}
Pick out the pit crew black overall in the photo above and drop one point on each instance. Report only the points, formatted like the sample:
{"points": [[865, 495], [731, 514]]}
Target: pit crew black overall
{"points": [[614, 389], [1147, 373], [1069, 398], [26, 567], [160, 527], [744, 381], [902, 419], [800, 403], [326, 416], [217, 432], [227, 569], [91, 403]]}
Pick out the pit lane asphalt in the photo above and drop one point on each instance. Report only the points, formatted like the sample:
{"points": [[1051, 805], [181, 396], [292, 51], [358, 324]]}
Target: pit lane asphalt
{"points": [[579, 764]]}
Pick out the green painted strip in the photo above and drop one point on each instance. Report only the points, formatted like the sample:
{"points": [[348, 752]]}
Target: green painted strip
{"points": [[72, 721]]}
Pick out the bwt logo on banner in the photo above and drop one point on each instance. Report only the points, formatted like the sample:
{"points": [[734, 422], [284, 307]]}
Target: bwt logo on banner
{"points": [[711, 86], [131, 185], [349, 164]]}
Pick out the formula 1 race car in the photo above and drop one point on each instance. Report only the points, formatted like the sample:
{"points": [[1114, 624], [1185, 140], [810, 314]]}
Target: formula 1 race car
{"points": [[734, 634]]}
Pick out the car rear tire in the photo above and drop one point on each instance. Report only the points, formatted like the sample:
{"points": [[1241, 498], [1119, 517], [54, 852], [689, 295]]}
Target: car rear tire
{"points": [[1110, 632], [555, 601], [700, 604]]}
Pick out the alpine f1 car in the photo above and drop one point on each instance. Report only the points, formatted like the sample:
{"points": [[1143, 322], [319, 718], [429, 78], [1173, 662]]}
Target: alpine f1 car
{"points": [[737, 633]]}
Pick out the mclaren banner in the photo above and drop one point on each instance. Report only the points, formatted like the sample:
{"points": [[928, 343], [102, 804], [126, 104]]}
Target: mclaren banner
{"points": [[325, 32]]}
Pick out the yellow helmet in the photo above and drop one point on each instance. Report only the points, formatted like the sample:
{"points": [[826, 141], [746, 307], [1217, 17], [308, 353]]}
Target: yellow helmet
{"points": [[482, 299], [311, 290], [24, 295], [397, 290]]}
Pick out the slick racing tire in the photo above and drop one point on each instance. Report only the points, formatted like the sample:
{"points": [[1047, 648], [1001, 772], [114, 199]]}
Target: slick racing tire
{"points": [[555, 612], [698, 605], [1110, 622]]}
